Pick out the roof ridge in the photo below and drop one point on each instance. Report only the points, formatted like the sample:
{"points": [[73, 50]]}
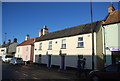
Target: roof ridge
{"points": [[73, 27]]}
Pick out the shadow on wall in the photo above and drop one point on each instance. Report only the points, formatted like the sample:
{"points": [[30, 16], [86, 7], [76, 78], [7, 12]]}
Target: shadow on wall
{"points": [[64, 61]]}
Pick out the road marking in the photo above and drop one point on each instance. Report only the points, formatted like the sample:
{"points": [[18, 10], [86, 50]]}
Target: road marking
{"points": [[35, 78], [25, 74]]}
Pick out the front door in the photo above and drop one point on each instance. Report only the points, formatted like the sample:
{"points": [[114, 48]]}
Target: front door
{"points": [[62, 61], [49, 61]]}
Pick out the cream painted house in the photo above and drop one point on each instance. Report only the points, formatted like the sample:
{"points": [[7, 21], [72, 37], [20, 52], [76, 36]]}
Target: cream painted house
{"points": [[64, 47], [111, 29]]}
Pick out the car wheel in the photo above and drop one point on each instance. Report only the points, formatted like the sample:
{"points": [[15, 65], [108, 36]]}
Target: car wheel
{"points": [[95, 78]]}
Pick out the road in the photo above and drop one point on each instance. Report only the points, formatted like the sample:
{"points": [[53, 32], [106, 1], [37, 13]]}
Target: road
{"points": [[10, 72]]}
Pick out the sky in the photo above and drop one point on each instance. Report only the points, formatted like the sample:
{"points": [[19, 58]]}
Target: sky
{"points": [[22, 18]]}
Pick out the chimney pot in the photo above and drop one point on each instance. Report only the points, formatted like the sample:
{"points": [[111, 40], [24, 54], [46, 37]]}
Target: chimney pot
{"points": [[15, 39], [111, 8], [27, 37]]}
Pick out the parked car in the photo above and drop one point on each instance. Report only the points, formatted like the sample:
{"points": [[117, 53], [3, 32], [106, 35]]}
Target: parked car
{"points": [[111, 72], [6, 58], [16, 60]]}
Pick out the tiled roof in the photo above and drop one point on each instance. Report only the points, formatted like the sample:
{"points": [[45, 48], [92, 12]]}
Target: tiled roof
{"points": [[72, 31], [113, 17], [27, 42], [6, 45]]}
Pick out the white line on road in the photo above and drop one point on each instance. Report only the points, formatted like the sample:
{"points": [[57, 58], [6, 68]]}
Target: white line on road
{"points": [[25, 74], [35, 78]]}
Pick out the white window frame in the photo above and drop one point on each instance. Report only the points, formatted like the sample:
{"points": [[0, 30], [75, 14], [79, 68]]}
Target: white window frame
{"points": [[50, 45], [63, 44], [80, 42], [40, 46], [26, 48], [18, 49]]}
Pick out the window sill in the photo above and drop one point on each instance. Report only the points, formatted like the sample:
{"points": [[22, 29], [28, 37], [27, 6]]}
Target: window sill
{"points": [[49, 49], [63, 48], [79, 47]]}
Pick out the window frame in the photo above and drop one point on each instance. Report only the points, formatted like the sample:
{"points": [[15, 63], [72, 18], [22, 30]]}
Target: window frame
{"points": [[63, 44], [50, 45], [80, 43], [40, 46]]}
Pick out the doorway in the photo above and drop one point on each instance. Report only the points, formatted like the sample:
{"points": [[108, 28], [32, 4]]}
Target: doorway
{"points": [[62, 66], [49, 61]]}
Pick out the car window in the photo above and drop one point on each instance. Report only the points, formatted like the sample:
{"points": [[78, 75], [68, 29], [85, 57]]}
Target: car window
{"points": [[8, 56], [112, 68], [19, 58]]}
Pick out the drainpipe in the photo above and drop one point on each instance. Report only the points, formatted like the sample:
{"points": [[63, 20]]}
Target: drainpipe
{"points": [[104, 44]]}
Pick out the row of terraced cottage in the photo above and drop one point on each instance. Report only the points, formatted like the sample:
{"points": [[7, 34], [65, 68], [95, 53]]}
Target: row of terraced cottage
{"points": [[64, 47]]}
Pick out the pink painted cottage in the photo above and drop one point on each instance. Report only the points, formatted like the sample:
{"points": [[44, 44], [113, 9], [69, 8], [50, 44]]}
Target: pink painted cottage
{"points": [[25, 49]]}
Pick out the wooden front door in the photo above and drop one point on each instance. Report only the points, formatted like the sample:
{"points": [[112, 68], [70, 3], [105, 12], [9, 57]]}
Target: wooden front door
{"points": [[49, 60], [62, 61]]}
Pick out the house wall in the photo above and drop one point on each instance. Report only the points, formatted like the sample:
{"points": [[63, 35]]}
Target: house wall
{"points": [[71, 50], [24, 52], [19, 51], [3, 52], [99, 49], [111, 40], [12, 47]]}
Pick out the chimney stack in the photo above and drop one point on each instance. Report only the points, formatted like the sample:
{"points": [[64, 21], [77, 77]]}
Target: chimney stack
{"points": [[9, 41], [15, 40], [27, 37], [45, 30], [111, 8], [4, 42], [41, 32]]}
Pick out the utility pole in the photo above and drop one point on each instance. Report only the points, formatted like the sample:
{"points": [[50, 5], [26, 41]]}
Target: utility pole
{"points": [[5, 36], [92, 30]]}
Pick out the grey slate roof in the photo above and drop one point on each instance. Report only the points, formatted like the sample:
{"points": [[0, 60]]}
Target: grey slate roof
{"points": [[72, 31], [6, 45]]}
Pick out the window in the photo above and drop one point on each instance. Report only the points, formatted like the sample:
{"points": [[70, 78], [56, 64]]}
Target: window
{"points": [[18, 49], [2, 50], [26, 48], [80, 56], [40, 46], [64, 43], [80, 42], [50, 45]]}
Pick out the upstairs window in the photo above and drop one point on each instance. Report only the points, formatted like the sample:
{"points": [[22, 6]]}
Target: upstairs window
{"points": [[64, 43], [18, 49], [50, 45], [80, 42], [26, 48], [40, 46]]}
